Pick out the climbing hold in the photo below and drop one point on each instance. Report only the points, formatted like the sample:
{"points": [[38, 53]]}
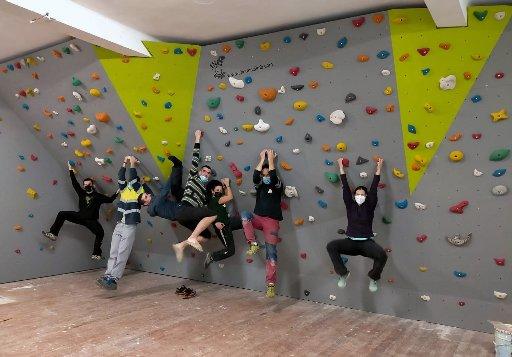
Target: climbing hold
{"points": [[31, 193], [413, 144], [102, 117], [500, 261], [425, 71], [219, 116], [77, 108], [385, 72], [219, 157], [303, 36], [423, 51], [476, 136], [456, 155], [222, 85], [281, 90], [397, 173], [213, 103], [350, 97], [337, 116], [240, 98], [300, 105], [476, 98], [326, 147], [239, 141], [95, 92], [25, 106], [403, 57], [86, 142], [480, 15], [411, 128], [342, 42], [459, 207], [236, 83], [297, 87], [207, 118], [445, 45], [240, 43], [227, 143], [118, 140], [261, 126], [423, 269], [298, 221], [499, 154], [500, 295], [320, 31], [322, 204], [499, 172], [401, 203], [313, 84], [421, 238], [383, 54], [328, 162], [327, 65], [467, 75], [420, 206], [291, 191], [455, 137], [267, 94], [308, 138], [388, 91], [358, 22], [167, 105], [279, 139], [192, 51], [265, 46], [331, 177], [499, 190], [286, 166], [459, 274], [33, 157], [64, 144], [499, 115], [420, 160], [36, 127], [363, 174], [75, 81], [425, 298], [234, 169], [296, 151], [362, 58], [222, 130], [78, 96], [399, 20], [447, 83], [499, 75], [500, 15], [459, 240], [20, 168], [477, 173], [477, 57], [341, 146], [371, 110], [289, 121], [247, 127], [345, 162], [429, 144]]}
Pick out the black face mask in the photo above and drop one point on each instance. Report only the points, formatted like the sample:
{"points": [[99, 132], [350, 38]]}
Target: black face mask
{"points": [[218, 194], [89, 189]]}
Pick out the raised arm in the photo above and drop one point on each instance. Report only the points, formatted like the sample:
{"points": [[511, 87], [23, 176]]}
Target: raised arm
{"points": [[229, 194], [256, 177], [347, 194], [121, 175], [274, 179], [147, 189], [109, 199], [133, 178], [372, 194], [196, 153], [79, 190]]}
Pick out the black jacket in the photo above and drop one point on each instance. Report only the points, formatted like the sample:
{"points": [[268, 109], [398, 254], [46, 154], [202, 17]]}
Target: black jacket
{"points": [[268, 197], [89, 203]]}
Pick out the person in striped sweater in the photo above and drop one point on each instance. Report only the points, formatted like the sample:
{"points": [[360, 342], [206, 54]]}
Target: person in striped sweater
{"points": [[192, 212]]}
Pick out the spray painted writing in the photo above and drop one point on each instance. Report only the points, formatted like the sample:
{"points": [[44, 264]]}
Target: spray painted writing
{"points": [[220, 73]]}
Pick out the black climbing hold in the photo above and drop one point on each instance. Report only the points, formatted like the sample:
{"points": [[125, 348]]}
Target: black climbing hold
{"points": [[308, 137], [257, 110], [303, 36], [341, 231], [361, 160], [227, 143], [319, 189], [235, 128], [297, 87], [350, 97], [306, 292]]}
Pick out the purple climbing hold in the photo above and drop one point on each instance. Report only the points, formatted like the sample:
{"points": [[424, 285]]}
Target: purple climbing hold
{"points": [[342, 42]]}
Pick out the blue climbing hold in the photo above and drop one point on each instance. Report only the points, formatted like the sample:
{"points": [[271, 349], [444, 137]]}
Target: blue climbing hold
{"points": [[162, 268], [247, 168], [119, 127], [411, 128], [104, 89], [322, 204], [25, 106], [219, 116], [168, 105], [499, 172], [401, 203], [279, 139], [178, 51], [320, 118], [344, 259], [149, 223], [329, 162], [72, 163], [160, 158], [11, 67], [248, 80], [425, 71], [71, 122], [459, 274], [287, 39], [144, 103], [383, 54], [375, 142], [476, 98], [30, 215], [21, 157], [342, 42], [64, 135]]}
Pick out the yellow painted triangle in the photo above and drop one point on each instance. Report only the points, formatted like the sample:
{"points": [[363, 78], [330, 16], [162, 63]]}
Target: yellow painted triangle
{"points": [[469, 49]]}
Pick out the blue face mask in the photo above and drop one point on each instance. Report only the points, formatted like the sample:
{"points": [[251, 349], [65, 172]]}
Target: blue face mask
{"points": [[266, 180], [203, 178]]}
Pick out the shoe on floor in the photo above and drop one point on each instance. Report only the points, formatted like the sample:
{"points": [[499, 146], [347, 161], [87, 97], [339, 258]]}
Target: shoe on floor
{"points": [[189, 293], [271, 290], [342, 282], [107, 282], [373, 286], [50, 235], [181, 290], [96, 257], [179, 250], [195, 244], [207, 261], [254, 248]]}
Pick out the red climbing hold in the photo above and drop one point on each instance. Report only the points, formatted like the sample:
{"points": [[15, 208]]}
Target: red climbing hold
{"points": [[303, 255], [70, 133], [413, 144], [284, 205], [476, 136], [17, 251], [421, 238], [391, 280], [358, 22], [107, 179], [17, 65], [240, 98], [192, 51], [234, 169], [499, 75], [69, 110], [459, 207], [174, 225], [294, 71], [345, 162], [462, 303], [423, 51], [33, 157], [371, 110], [22, 93], [381, 185], [249, 260], [54, 182], [499, 261]]}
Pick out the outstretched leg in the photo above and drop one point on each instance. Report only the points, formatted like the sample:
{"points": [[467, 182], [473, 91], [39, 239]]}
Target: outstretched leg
{"points": [[374, 251], [63, 216], [201, 226], [176, 178]]}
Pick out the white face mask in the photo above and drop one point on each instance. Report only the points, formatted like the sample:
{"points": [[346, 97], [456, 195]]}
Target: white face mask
{"points": [[360, 199]]}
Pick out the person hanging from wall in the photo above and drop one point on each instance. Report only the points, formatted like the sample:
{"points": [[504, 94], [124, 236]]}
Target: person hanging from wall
{"points": [[128, 217], [192, 211], [267, 214], [359, 241], [219, 196], [89, 202]]}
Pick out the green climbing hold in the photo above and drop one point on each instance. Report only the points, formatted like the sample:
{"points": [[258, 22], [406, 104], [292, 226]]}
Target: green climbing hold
{"points": [[66, 50], [331, 177], [213, 103], [480, 15], [498, 155], [240, 43], [107, 160], [386, 220], [118, 140], [75, 81], [77, 109]]}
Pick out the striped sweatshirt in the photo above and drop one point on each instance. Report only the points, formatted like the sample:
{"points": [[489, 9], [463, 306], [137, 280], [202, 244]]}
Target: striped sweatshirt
{"points": [[195, 192], [128, 209]]}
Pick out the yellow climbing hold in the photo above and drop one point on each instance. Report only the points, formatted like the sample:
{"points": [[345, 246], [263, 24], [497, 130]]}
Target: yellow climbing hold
{"points": [[220, 157], [423, 269], [477, 57], [341, 146], [146, 179], [420, 160], [300, 105], [143, 126], [155, 90], [137, 114], [265, 46], [327, 65], [247, 127], [86, 120], [36, 127], [95, 92], [399, 20], [429, 107], [388, 91], [222, 85], [79, 153], [397, 173], [207, 118], [31, 193], [456, 155], [86, 143], [499, 115]]}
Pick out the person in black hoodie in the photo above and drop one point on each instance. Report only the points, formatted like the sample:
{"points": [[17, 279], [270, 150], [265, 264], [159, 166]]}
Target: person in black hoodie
{"points": [[89, 202], [359, 241]]}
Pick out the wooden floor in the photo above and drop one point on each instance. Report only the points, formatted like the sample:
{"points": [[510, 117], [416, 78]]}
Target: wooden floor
{"points": [[69, 315]]}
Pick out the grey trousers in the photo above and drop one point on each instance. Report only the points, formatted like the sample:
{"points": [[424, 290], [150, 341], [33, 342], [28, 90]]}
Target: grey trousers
{"points": [[120, 249]]}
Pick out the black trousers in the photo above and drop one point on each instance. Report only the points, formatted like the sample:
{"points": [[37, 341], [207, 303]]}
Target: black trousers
{"points": [[176, 182], [74, 217], [366, 248], [226, 237]]}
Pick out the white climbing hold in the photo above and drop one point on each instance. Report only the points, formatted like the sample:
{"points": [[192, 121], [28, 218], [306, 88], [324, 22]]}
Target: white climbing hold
{"points": [[311, 219], [54, 112], [425, 297], [500, 295], [156, 76], [291, 191], [420, 206], [164, 142], [385, 72], [74, 47], [64, 144], [242, 193], [262, 126], [236, 83], [449, 82], [208, 158], [281, 90], [296, 151], [499, 190], [222, 130], [36, 91], [429, 145], [337, 116], [156, 178], [40, 58], [320, 32], [221, 265], [91, 129], [500, 15], [213, 53], [78, 96], [363, 174], [99, 161], [477, 173], [332, 297]]}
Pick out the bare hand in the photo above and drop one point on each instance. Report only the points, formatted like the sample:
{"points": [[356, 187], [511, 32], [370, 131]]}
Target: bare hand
{"points": [[133, 160], [340, 162], [219, 225], [262, 154], [271, 154], [126, 159], [225, 181], [198, 134], [380, 161], [69, 166]]}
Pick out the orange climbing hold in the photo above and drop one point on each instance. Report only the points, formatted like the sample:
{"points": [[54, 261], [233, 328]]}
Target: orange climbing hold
{"points": [[95, 76], [415, 166], [390, 108], [17, 228], [125, 59], [240, 141], [286, 166], [226, 48], [363, 58], [455, 137], [313, 84], [298, 221], [109, 151], [267, 94], [210, 88], [403, 57], [168, 118], [35, 75], [155, 90], [56, 54], [377, 18], [102, 117], [326, 147], [467, 75], [20, 168], [61, 99], [289, 121], [445, 45], [47, 113]]}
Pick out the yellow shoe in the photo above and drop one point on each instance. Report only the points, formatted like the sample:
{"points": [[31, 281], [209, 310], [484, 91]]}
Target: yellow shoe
{"points": [[253, 249], [271, 290]]}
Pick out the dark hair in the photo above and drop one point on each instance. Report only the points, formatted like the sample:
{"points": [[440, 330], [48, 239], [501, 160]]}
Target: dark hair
{"points": [[361, 188], [210, 186], [88, 179], [264, 166], [207, 167], [139, 199]]}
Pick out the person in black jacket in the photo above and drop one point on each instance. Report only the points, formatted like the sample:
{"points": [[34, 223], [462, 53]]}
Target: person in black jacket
{"points": [[89, 202], [359, 241]]}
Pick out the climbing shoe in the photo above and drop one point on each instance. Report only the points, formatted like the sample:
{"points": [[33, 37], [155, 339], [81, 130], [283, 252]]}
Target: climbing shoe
{"points": [[50, 235], [373, 287], [253, 248], [342, 282], [207, 261], [271, 290]]}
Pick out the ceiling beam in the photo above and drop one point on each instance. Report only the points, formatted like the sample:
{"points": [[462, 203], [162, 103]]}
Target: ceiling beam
{"points": [[88, 25], [448, 13]]}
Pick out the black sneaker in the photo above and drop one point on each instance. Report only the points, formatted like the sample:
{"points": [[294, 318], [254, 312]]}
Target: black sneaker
{"points": [[96, 255], [207, 261], [50, 236], [107, 282]]}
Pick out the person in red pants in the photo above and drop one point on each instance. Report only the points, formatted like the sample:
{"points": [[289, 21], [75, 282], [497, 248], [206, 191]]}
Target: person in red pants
{"points": [[266, 216]]}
